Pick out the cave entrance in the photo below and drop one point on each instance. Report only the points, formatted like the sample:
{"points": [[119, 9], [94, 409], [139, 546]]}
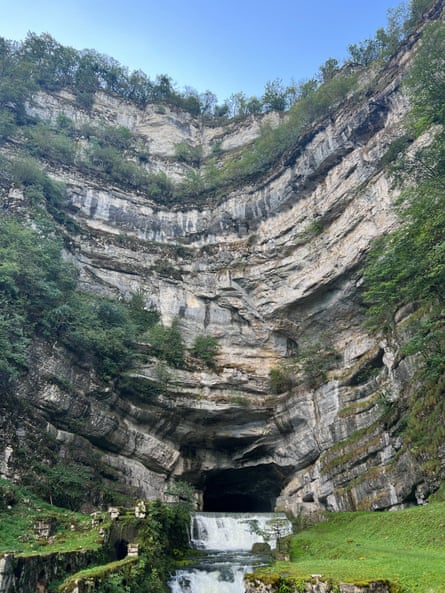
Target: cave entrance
{"points": [[244, 490], [120, 549]]}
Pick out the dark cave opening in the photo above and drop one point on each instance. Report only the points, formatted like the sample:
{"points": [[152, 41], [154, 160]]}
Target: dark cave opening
{"points": [[236, 503], [244, 490], [120, 549]]}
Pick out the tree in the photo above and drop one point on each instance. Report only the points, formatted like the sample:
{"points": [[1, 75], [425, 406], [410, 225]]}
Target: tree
{"points": [[237, 104], [417, 8], [426, 79], [208, 101], [142, 316], [7, 124], [274, 97], [113, 76], [395, 30], [364, 53], [139, 88], [119, 137], [329, 69], [307, 88], [53, 64], [16, 81], [194, 182], [191, 101], [163, 88], [85, 80], [408, 265], [222, 110], [280, 379], [50, 144], [64, 484], [254, 106], [101, 332], [13, 344]]}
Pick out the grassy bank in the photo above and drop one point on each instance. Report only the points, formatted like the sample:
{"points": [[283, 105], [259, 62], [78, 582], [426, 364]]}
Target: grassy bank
{"points": [[405, 547], [30, 527], [21, 511]]}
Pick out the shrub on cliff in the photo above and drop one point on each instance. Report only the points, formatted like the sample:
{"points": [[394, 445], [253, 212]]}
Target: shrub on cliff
{"points": [[205, 348], [280, 380], [167, 343]]}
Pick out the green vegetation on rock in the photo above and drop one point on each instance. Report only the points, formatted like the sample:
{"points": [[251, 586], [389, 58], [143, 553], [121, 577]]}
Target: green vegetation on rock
{"points": [[407, 267], [21, 509], [205, 348]]}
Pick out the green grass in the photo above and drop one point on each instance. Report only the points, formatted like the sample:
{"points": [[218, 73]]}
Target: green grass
{"points": [[98, 572], [17, 518], [406, 548]]}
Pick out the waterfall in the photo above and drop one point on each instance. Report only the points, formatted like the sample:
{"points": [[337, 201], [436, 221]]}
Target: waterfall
{"points": [[237, 531], [228, 539]]}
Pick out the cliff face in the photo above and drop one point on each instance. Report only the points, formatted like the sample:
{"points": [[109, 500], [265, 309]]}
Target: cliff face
{"points": [[271, 268]]}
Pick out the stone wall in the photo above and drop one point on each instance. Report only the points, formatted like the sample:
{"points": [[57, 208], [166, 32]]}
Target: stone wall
{"points": [[31, 574], [318, 585]]}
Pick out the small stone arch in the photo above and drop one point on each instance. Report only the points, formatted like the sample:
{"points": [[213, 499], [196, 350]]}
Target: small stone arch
{"points": [[120, 549]]}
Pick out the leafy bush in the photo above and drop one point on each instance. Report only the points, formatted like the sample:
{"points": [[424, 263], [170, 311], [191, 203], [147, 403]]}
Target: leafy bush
{"points": [[185, 494], [189, 154], [280, 380], [205, 348], [119, 137], [101, 331], [48, 144], [141, 316], [315, 359], [38, 187], [167, 343]]}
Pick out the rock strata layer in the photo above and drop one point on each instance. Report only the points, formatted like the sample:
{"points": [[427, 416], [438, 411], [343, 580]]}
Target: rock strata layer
{"points": [[272, 268]]}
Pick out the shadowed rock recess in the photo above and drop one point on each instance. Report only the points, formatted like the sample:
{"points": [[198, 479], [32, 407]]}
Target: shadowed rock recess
{"points": [[272, 269]]}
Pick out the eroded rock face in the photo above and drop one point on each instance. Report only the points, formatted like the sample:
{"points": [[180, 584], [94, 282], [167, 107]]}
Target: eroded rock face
{"points": [[270, 267]]}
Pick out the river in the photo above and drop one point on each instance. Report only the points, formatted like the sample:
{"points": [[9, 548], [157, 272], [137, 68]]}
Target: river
{"points": [[227, 540]]}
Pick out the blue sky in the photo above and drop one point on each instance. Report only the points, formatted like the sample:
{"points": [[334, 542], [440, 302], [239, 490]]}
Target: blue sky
{"points": [[223, 46]]}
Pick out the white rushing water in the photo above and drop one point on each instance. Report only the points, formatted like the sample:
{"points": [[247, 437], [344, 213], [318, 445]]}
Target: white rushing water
{"points": [[237, 531], [228, 538], [220, 573]]}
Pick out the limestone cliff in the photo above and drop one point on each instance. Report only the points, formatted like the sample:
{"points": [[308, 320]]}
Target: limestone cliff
{"points": [[269, 268]]}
